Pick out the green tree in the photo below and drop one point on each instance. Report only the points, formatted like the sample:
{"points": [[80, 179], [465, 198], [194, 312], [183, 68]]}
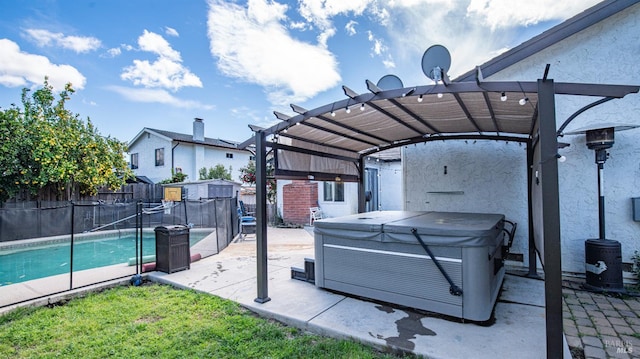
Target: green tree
{"points": [[176, 177], [46, 145], [217, 172]]}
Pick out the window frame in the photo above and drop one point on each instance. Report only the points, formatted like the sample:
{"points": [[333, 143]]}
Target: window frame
{"points": [[333, 192], [133, 161], [159, 156]]}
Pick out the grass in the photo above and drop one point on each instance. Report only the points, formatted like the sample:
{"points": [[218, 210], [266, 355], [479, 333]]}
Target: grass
{"points": [[160, 321]]}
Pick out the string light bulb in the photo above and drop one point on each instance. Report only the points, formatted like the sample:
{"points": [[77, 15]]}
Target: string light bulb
{"points": [[347, 110], [503, 97], [362, 107], [333, 114], [523, 101], [420, 98], [440, 95]]}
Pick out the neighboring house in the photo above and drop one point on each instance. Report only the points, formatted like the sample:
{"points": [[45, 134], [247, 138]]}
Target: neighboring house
{"points": [[154, 153], [383, 184], [600, 45]]}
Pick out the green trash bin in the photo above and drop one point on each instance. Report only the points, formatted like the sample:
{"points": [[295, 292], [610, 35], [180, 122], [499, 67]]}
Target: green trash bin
{"points": [[172, 248]]}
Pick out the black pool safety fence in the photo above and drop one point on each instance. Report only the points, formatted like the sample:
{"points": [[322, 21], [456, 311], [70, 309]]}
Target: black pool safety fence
{"points": [[70, 245]]}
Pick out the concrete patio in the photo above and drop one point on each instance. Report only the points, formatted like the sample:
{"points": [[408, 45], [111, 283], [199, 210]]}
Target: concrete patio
{"points": [[518, 331]]}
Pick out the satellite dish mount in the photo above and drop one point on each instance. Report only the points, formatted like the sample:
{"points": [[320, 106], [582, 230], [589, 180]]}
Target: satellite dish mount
{"points": [[436, 62]]}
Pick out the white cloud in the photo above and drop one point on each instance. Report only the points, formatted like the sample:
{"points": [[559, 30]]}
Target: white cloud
{"points": [[171, 31], [300, 25], [166, 72], [152, 42], [320, 13], [113, 52], [503, 14], [157, 96], [79, 44], [350, 27], [252, 116], [474, 32], [253, 45], [18, 68]]}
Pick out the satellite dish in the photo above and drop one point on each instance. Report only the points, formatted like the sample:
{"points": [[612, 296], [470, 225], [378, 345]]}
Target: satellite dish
{"points": [[435, 62], [390, 82]]}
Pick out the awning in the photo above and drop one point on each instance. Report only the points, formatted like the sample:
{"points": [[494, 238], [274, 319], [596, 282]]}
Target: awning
{"points": [[363, 124]]}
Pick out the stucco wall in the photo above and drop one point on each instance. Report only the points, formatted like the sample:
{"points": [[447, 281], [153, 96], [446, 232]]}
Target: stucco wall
{"points": [[390, 184], [607, 52], [145, 148], [481, 176], [189, 157]]}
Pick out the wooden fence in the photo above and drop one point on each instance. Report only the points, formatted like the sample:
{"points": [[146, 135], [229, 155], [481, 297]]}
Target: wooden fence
{"points": [[128, 193]]}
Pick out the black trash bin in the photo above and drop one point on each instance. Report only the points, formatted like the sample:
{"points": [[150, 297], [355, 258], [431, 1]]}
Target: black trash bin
{"points": [[172, 248]]}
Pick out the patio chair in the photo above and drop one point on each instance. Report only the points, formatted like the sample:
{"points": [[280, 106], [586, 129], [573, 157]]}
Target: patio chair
{"points": [[315, 213]]}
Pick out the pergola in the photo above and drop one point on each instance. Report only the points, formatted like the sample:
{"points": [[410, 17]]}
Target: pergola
{"points": [[331, 142]]}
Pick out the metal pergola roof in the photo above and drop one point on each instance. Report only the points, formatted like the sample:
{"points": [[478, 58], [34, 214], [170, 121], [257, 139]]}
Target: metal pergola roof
{"points": [[460, 110], [362, 124]]}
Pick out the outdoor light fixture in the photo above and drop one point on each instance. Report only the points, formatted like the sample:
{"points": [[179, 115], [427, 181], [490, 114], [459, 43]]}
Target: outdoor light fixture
{"points": [[503, 97], [420, 98], [523, 101]]}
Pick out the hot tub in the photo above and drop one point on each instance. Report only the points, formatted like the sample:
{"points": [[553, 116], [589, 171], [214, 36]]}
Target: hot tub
{"points": [[376, 255]]}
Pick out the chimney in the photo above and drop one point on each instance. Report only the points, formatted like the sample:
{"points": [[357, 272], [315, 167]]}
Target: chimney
{"points": [[198, 129]]}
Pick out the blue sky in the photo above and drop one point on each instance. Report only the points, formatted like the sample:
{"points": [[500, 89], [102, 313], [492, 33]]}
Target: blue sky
{"points": [[160, 63]]}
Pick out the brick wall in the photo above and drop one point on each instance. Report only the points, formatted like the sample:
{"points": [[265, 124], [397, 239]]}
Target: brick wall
{"points": [[297, 198]]}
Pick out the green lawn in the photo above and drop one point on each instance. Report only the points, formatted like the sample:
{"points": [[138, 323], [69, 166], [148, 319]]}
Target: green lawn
{"points": [[160, 322]]}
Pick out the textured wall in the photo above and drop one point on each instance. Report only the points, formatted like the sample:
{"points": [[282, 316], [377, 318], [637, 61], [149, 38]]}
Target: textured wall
{"points": [[607, 52], [145, 148], [485, 176]]}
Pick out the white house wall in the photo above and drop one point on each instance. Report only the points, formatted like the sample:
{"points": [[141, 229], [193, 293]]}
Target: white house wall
{"points": [[145, 148], [390, 194], [485, 177], [240, 159], [607, 52], [329, 209]]}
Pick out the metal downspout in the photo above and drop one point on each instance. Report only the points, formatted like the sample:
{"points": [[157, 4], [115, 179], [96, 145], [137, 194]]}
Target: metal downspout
{"points": [[172, 162]]}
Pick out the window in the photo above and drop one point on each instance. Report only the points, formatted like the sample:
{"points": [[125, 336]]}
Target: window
{"points": [[334, 191], [134, 161], [229, 155], [159, 156]]}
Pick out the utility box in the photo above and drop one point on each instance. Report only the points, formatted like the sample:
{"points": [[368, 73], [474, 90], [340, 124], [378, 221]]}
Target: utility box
{"points": [[172, 248], [635, 205]]}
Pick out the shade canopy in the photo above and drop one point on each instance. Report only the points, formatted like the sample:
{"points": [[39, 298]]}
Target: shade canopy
{"points": [[363, 124]]}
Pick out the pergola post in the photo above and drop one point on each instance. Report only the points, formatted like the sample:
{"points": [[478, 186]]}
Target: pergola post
{"points": [[533, 263], [550, 217], [361, 194], [261, 218]]}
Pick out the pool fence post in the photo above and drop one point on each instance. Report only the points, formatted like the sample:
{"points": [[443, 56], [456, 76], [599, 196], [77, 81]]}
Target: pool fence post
{"points": [[71, 248], [138, 225]]}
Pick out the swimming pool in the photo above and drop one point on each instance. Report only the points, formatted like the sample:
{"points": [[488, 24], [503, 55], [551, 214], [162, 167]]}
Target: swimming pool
{"points": [[33, 259]]}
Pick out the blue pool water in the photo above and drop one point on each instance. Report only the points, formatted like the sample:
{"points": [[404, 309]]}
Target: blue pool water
{"points": [[34, 263]]}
